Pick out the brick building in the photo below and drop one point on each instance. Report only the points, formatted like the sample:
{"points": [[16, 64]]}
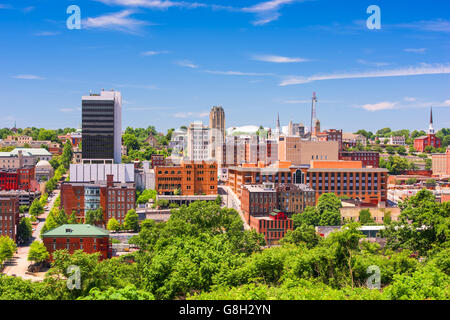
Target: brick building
{"points": [[258, 200], [301, 152], [9, 215], [74, 237], [441, 163], [274, 226], [18, 179], [368, 158], [331, 135], [294, 198], [348, 178], [158, 160], [190, 177], [115, 198], [430, 139]]}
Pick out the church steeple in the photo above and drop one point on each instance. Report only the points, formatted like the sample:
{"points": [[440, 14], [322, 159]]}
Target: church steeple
{"points": [[430, 128]]}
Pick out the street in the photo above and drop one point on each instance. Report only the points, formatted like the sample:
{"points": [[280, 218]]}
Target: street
{"points": [[18, 264]]}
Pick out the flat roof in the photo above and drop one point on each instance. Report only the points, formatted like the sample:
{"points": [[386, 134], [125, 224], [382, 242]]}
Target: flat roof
{"points": [[253, 169], [348, 170]]}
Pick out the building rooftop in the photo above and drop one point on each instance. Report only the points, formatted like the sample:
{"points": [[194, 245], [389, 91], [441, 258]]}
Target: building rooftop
{"points": [[31, 151], [348, 170], [76, 230], [258, 188]]}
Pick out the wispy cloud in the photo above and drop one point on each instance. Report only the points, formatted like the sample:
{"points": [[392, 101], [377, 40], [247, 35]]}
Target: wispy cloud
{"points": [[28, 77], [152, 4], [46, 34], [436, 25], [118, 21], [372, 63], [423, 69], [184, 115], [379, 106], [238, 73], [415, 50], [267, 11], [187, 64], [28, 9], [408, 103], [278, 59], [153, 53]]}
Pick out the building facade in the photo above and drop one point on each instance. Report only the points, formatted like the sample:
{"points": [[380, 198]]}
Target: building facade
{"points": [[9, 215], [441, 163], [430, 139], [368, 158], [74, 237], [198, 142], [102, 126], [188, 178]]}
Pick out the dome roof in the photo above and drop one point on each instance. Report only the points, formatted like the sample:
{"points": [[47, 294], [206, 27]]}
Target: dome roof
{"points": [[43, 164]]}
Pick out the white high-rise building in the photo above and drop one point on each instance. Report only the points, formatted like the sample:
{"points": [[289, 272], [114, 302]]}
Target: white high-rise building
{"points": [[102, 127], [198, 143]]}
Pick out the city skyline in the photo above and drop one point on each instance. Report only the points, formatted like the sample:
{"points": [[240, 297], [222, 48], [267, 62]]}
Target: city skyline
{"points": [[173, 61]]}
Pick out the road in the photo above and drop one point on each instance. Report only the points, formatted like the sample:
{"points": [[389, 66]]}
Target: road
{"points": [[18, 264], [232, 201]]}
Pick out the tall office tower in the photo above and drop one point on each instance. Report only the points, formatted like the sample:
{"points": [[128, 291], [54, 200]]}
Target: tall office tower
{"points": [[102, 127], [198, 146], [217, 128]]}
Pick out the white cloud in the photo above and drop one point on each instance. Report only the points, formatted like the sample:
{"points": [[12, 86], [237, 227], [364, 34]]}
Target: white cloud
{"points": [[187, 64], [409, 99], [152, 4], [46, 34], [267, 11], [153, 53], [238, 73], [296, 101], [28, 77], [437, 25], [372, 64], [28, 9], [415, 50], [423, 69], [184, 115], [278, 59], [118, 20], [379, 106], [65, 110]]}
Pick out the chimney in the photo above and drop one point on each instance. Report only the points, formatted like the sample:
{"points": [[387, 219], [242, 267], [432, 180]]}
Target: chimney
{"points": [[109, 180]]}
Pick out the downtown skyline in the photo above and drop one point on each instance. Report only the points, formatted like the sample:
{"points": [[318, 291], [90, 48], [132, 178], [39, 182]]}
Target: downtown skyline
{"points": [[172, 61]]}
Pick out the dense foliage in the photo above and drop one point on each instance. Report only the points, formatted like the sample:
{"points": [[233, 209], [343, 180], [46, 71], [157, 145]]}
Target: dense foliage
{"points": [[203, 252]]}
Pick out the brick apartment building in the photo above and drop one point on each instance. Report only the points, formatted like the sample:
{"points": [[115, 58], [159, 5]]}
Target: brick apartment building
{"points": [[115, 198], [258, 200], [331, 135], [441, 163], [191, 177], [18, 179], [74, 237], [294, 198], [273, 226], [348, 178], [158, 160], [368, 158], [9, 215]]}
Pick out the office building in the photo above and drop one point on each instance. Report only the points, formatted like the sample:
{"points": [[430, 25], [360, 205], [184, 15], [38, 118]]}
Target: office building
{"points": [[198, 142], [102, 127], [9, 215]]}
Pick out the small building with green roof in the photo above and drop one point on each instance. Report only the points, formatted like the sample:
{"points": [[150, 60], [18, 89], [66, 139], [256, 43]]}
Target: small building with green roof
{"points": [[74, 237]]}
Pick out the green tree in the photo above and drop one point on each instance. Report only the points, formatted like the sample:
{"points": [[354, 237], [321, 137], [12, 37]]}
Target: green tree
{"points": [[24, 229], [38, 252], [94, 217], [7, 248], [36, 208], [113, 225], [401, 150], [73, 218], [365, 217], [67, 155], [131, 220]]}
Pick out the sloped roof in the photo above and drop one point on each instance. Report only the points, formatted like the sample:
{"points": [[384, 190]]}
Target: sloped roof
{"points": [[76, 230]]}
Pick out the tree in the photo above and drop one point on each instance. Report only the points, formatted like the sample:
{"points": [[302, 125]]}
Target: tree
{"points": [[43, 199], [146, 195], [390, 149], [7, 248], [131, 220], [218, 200], [305, 234], [73, 218], [131, 142], [94, 217], [387, 219], [411, 181], [326, 213], [401, 150], [24, 229], [113, 225], [365, 217], [36, 208], [38, 252], [67, 154]]}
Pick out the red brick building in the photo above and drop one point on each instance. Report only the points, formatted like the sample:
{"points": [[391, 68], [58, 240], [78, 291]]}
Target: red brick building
{"points": [[191, 177], [274, 226], [18, 179], [74, 237], [430, 139], [368, 158], [158, 160], [9, 215], [331, 135], [258, 200], [113, 197]]}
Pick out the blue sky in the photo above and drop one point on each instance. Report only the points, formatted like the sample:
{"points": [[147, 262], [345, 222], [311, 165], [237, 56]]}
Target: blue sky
{"points": [[174, 60]]}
